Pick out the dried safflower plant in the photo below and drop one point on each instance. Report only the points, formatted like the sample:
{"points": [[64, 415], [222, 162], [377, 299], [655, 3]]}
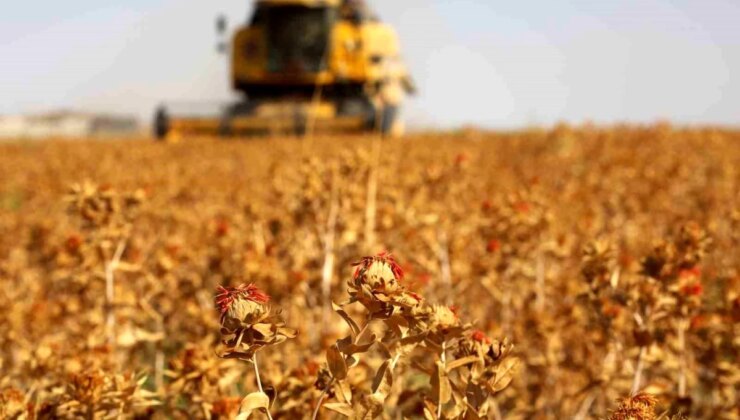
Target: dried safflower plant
{"points": [[247, 326], [410, 324]]}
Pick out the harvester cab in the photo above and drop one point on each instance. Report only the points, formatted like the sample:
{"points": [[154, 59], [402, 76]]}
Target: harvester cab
{"points": [[305, 66]]}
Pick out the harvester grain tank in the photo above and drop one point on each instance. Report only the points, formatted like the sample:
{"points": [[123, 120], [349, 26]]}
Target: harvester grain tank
{"points": [[305, 66]]}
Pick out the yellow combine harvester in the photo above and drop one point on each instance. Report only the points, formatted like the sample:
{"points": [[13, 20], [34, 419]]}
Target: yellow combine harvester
{"points": [[305, 66]]}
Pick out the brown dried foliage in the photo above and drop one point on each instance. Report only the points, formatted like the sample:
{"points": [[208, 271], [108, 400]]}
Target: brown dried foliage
{"points": [[607, 256]]}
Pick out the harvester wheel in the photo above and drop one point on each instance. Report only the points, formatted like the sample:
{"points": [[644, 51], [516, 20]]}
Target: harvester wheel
{"points": [[161, 124]]}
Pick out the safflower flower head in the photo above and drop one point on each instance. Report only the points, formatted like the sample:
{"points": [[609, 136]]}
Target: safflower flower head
{"points": [[379, 273], [241, 306]]}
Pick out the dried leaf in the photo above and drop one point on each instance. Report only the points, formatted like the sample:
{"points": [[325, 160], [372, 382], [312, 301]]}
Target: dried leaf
{"points": [[368, 408], [264, 329], [341, 408], [455, 411], [349, 348], [351, 322], [461, 362], [471, 413], [383, 381], [475, 396], [343, 390], [288, 332], [413, 340], [384, 350], [422, 368], [352, 361], [337, 363], [253, 401], [504, 374], [398, 324], [430, 412], [441, 384]]}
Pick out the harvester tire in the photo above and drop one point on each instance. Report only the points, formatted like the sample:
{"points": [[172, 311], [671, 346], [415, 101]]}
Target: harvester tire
{"points": [[161, 124]]}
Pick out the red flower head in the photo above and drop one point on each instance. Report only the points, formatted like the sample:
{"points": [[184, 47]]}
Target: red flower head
{"points": [[298, 276], [74, 242], [480, 337], [698, 322], [226, 296], [383, 257], [222, 227], [461, 159], [416, 296], [694, 289], [486, 205], [611, 310], [493, 246], [522, 207], [640, 406], [625, 260], [173, 250], [381, 272]]}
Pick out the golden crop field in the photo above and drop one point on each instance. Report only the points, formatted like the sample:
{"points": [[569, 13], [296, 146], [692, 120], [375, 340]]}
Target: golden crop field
{"points": [[575, 273]]}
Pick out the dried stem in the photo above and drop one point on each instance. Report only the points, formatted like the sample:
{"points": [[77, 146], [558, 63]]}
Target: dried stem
{"points": [[682, 358], [159, 368], [321, 399], [328, 386], [239, 339], [506, 305], [444, 259], [443, 358], [540, 281], [372, 195], [362, 331], [328, 269], [637, 379], [585, 407], [496, 411], [259, 238], [110, 291], [259, 381], [159, 360], [395, 361]]}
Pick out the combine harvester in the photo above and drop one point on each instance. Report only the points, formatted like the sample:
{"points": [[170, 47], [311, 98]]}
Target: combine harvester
{"points": [[304, 67]]}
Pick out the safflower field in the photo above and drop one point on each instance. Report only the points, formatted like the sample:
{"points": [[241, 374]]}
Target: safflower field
{"points": [[571, 273]]}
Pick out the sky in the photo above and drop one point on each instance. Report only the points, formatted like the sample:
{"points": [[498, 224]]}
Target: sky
{"points": [[489, 63]]}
